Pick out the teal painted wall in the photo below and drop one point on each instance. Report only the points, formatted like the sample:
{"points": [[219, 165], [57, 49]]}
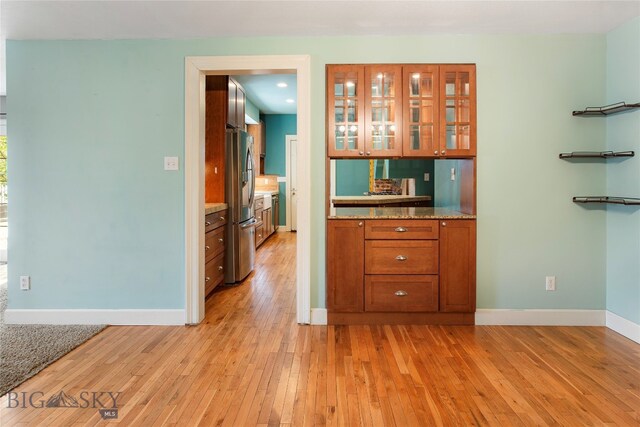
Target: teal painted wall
{"points": [[97, 223], [623, 177], [275, 162]]}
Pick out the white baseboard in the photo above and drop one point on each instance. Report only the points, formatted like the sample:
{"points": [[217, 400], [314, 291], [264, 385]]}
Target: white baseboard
{"points": [[540, 317], [623, 326], [318, 316], [283, 228], [94, 317]]}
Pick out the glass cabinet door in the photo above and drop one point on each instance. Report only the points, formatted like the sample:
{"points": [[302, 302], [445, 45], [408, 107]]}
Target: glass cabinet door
{"points": [[345, 110], [420, 114], [383, 111], [457, 110]]}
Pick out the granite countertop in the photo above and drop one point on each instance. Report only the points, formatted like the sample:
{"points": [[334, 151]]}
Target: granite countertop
{"points": [[397, 213], [379, 199], [210, 208]]}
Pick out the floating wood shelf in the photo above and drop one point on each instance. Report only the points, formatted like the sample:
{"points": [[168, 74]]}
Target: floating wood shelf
{"points": [[596, 154], [605, 199], [606, 110]]}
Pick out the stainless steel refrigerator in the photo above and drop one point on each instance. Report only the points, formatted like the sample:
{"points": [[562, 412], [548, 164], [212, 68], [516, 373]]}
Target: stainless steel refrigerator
{"points": [[240, 190]]}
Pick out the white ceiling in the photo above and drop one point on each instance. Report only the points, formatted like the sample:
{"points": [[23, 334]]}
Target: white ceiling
{"points": [[264, 93], [83, 19], [113, 19]]}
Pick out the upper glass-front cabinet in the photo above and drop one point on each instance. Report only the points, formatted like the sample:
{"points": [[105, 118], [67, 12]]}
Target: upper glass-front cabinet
{"points": [[420, 115], [406, 110], [383, 111], [458, 110], [345, 115]]}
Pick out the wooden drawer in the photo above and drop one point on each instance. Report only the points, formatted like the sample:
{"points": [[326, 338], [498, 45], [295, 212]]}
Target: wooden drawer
{"points": [[401, 293], [215, 220], [401, 257], [213, 273], [214, 243], [259, 234], [401, 229], [259, 203]]}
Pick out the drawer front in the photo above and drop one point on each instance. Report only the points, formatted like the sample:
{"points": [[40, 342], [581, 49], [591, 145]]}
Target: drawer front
{"points": [[408, 229], [400, 293], [213, 273], [259, 203], [215, 220], [259, 234], [214, 243], [401, 257]]}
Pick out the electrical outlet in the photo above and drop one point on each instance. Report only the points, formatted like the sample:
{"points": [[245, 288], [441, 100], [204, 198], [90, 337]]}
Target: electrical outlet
{"points": [[25, 283], [171, 163], [550, 283], [426, 177]]}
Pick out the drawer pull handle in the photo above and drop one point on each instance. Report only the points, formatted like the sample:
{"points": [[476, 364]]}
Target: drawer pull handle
{"points": [[207, 223], [360, 224], [220, 240], [220, 268], [401, 293], [206, 279], [401, 258], [206, 248], [400, 229], [221, 218]]}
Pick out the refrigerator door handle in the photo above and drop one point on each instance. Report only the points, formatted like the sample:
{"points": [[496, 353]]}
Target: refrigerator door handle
{"points": [[252, 177], [249, 223]]}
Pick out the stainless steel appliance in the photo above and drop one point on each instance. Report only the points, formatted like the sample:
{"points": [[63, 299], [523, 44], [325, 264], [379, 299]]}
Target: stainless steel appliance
{"points": [[240, 189]]}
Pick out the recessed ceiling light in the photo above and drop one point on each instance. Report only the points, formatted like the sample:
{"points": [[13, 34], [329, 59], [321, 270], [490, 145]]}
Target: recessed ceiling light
{"points": [[290, 101], [282, 84]]}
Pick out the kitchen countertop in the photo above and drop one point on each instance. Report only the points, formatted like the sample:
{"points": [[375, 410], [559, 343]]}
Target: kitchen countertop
{"points": [[397, 213], [210, 208], [379, 199]]}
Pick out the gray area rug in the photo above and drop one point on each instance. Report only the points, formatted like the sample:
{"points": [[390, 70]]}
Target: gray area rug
{"points": [[25, 350]]}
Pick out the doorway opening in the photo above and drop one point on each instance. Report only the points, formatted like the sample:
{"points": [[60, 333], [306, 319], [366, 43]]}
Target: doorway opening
{"points": [[196, 70]]}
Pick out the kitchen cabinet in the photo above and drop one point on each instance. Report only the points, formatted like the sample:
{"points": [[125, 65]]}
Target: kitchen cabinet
{"points": [[383, 111], [224, 107], [401, 270], [457, 265], [258, 205], [345, 115], [408, 110], [258, 131], [457, 110], [235, 102], [421, 111], [345, 265], [214, 250]]}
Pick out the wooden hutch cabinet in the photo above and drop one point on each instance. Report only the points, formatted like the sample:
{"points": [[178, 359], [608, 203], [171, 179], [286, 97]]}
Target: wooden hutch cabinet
{"points": [[405, 110]]}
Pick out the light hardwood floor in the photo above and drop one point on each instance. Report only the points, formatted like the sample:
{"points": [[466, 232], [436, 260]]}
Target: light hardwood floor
{"points": [[249, 363]]}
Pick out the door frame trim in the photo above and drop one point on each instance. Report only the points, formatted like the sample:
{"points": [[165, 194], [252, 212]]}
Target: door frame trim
{"points": [[196, 69]]}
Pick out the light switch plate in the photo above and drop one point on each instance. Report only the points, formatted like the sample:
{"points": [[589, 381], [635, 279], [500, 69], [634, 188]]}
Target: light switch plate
{"points": [[426, 177], [171, 163]]}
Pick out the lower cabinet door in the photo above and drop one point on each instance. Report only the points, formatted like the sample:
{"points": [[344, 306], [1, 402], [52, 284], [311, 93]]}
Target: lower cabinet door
{"points": [[345, 265], [458, 266], [402, 293], [213, 273]]}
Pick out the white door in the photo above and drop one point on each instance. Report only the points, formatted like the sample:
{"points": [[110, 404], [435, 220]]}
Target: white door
{"points": [[293, 198], [291, 144]]}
